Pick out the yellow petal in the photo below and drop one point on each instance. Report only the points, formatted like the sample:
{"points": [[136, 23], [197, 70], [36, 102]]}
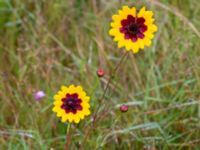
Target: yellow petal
{"points": [[135, 48], [61, 94], [128, 45], [56, 109], [121, 43], [87, 99], [116, 18], [141, 12], [119, 37], [147, 42], [79, 89], [60, 113], [58, 103], [147, 15], [149, 35], [133, 11], [64, 118], [126, 9], [113, 31], [122, 14], [57, 97], [81, 114], [77, 119], [64, 89], [87, 112], [72, 89], [85, 105], [70, 117], [82, 95], [140, 43], [153, 28], [116, 25]]}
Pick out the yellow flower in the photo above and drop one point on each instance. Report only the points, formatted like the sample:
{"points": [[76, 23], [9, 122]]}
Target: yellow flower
{"points": [[71, 104], [133, 30]]}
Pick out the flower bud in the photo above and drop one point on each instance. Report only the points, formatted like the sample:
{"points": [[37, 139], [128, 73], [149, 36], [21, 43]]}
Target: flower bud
{"points": [[39, 95], [124, 108], [100, 72]]}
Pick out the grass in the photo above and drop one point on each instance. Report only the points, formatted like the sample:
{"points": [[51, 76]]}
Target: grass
{"points": [[46, 44]]}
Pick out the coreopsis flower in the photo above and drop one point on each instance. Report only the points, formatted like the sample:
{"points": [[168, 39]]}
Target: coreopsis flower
{"points": [[133, 30], [71, 104]]}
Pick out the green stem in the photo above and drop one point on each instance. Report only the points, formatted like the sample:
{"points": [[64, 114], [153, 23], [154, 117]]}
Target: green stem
{"points": [[113, 74], [104, 94], [109, 81], [67, 137]]}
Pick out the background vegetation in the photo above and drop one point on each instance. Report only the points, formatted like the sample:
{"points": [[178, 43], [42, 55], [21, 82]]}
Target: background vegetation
{"points": [[48, 43]]}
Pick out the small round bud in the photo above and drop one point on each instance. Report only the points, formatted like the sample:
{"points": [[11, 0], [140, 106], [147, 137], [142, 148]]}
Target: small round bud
{"points": [[124, 108], [39, 95], [100, 72]]}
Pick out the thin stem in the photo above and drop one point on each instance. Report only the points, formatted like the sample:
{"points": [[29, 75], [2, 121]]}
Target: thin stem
{"points": [[67, 137], [113, 73], [109, 81], [104, 93]]}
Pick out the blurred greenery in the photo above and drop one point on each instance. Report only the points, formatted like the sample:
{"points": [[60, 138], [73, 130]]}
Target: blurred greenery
{"points": [[45, 44]]}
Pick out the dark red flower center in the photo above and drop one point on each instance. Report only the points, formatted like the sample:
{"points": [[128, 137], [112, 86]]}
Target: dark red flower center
{"points": [[71, 103], [133, 28]]}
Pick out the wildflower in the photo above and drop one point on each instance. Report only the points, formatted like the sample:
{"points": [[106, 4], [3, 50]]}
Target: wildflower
{"points": [[39, 95], [71, 104], [100, 72], [124, 108], [133, 30]]}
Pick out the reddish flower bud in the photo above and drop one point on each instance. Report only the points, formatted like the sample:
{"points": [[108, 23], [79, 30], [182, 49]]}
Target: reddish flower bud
{"points": [[100, 72], [124, 108]]}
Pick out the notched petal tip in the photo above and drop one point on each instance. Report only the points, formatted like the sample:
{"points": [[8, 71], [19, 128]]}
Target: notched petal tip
{"points": [[87, 98], [112, 32], [72, 86], [57, 103], [155, 28], [54, 109], [143, 8], [115, 17], [79, 88], [63, 88], [87, 112], [77, 120], [64, 119], [125, 8], [56, 97], [135, 50]]}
